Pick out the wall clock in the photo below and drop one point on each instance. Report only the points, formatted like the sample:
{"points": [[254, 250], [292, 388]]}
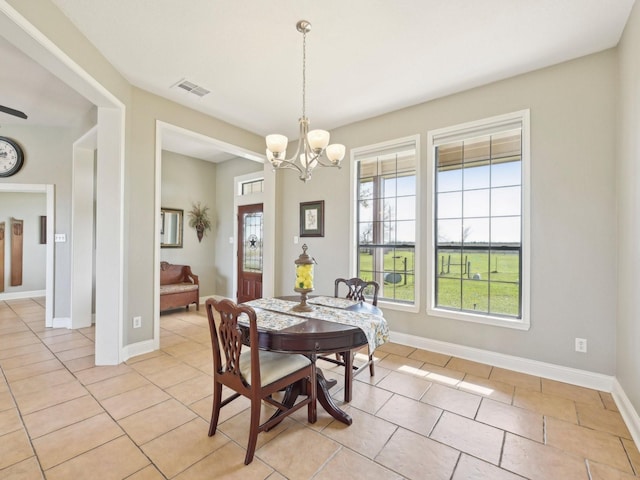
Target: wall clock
{"points": [[11, 157]]}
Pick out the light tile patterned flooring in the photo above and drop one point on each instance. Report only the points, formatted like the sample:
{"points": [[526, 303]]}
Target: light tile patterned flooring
{"points": [[423, 416]]}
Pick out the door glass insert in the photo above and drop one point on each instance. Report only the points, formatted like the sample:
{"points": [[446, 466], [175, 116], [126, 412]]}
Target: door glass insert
{"points": [[252, 242]]}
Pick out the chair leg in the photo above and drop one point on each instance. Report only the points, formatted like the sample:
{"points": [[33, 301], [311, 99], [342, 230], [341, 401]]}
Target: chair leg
{"points": [[215, 410], [256, 404], [371, 368], [348, 374]]}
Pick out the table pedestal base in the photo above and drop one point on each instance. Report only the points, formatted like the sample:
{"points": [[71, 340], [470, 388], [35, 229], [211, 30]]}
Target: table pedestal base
{"points": [[327, 401], [323, 386]]}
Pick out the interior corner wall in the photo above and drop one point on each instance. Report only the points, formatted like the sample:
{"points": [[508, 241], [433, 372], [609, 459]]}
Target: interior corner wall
{"points": [[628, 191], [185, 181], [573, 200]]}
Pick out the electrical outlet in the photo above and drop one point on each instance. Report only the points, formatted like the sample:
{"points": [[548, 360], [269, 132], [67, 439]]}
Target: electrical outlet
{"points": [[581, 345], [137, 322]]}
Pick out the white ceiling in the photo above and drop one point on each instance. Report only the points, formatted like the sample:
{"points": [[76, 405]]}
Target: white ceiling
{"points": [[195, 146], [29, 88], [364, 57]]}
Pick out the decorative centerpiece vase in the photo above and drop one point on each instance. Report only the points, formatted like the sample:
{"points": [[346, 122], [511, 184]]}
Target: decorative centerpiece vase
{"points": [[304, 279]]}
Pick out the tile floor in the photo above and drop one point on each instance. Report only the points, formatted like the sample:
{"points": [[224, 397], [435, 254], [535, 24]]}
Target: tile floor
{"points": [[423, 416]]}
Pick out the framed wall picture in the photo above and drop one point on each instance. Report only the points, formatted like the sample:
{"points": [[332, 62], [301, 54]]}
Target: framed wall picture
{"points": [[171, 227], [312, 219]]}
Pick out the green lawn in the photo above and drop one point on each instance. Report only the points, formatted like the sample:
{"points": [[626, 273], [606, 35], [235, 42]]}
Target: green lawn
{"points": [[404, 289], [479, 281], [471, 281]]}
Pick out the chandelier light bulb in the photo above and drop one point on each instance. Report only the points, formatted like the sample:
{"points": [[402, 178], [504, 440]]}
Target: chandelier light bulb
{"points": [[277, 143], [318, 140], [335, 152], [312, 164]]}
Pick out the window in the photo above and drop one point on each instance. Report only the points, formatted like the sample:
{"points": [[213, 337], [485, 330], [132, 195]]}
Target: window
{"points": [[253, 186], [479, 227], [385, 218]]}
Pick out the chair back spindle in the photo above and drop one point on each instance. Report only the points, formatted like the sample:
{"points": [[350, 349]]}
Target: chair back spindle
{"points": [[357, 289], [231, 341]]}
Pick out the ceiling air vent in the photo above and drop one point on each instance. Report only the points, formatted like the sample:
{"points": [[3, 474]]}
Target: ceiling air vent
{"points": [[192, 88]]}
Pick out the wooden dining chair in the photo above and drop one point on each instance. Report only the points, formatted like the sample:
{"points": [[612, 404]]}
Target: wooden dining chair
{"points": [[253, 373], [359, 290]]}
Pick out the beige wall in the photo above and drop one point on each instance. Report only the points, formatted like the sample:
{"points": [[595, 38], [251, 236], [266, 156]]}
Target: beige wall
{"points": [[185, 181], [628, 189], [573, 203]]}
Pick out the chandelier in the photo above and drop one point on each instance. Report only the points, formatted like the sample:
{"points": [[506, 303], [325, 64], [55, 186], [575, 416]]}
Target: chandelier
{"points": [[313, 144]]}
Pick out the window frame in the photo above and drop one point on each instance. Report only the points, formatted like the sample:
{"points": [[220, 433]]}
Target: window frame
{"points": [[464, 131], [353, 215], [253, 182]]}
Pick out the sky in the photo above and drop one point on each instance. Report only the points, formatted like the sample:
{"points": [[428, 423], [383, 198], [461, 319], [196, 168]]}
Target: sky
{"points": [[478, 204]]}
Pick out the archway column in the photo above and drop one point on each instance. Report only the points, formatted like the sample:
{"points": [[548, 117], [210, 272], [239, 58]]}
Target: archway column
{"points": [[110, 237]]}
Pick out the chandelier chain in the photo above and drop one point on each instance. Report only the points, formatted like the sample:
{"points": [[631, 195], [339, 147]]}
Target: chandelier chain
{"points": [[304, 73]]}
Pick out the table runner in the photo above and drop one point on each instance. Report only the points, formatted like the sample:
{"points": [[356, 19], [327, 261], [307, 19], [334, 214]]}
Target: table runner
{"points": [[334, 302], [268, 320], [276, 314]]}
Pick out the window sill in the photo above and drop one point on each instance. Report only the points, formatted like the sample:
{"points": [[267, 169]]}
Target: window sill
{"points": [[400, 307], [517, 324]]}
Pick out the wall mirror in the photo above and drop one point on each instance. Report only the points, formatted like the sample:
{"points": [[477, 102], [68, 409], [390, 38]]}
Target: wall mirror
{"points": [[171, 227]]}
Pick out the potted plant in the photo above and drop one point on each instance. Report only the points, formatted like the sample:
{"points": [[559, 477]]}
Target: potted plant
{"points": [[199, 219]]}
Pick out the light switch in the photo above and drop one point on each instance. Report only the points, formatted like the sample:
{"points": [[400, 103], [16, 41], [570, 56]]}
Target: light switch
{"points": [[295, 239], [60, 237]]}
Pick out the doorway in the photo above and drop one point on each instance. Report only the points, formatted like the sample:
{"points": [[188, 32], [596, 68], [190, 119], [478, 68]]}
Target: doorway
{"points": [[250, 252], [49, 191], [166, 136]]}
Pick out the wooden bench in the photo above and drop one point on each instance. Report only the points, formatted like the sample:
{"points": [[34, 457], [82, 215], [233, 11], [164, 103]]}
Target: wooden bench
{"points": [[179, 287]]}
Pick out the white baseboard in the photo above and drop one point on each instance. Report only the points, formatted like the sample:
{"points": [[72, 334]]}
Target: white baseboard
{"points": [[574, 376], [583, 378], [138, 348], [19, 295], [629, 414], [61, 322]]}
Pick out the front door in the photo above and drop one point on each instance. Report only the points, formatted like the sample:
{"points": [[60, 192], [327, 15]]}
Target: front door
{"points": [[249, 252]]}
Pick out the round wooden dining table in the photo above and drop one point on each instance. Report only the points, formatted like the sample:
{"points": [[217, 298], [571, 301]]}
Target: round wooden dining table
{"points": [[311, 338]]}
